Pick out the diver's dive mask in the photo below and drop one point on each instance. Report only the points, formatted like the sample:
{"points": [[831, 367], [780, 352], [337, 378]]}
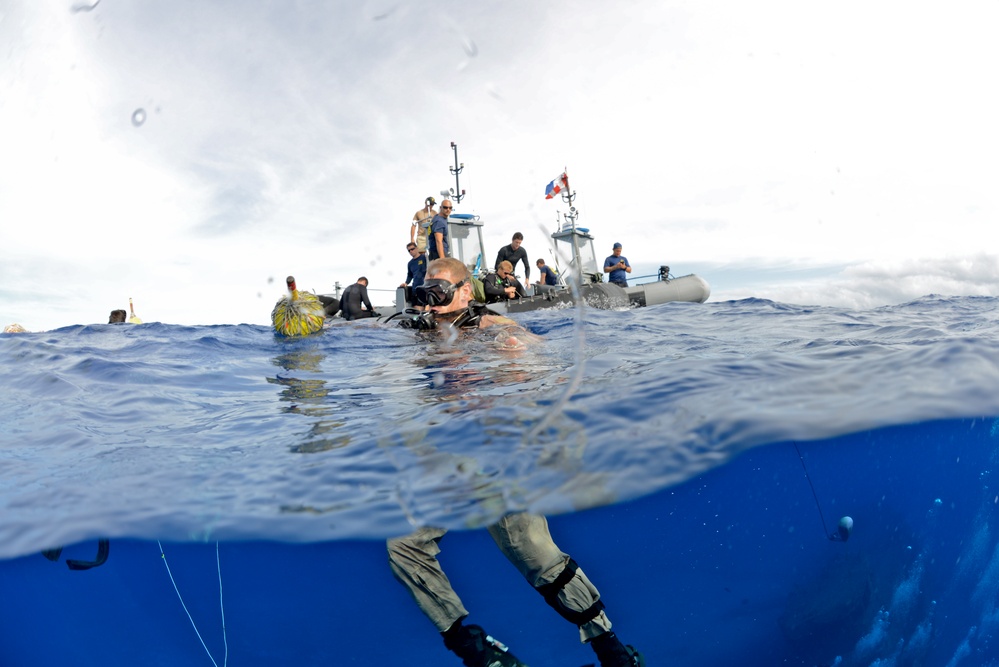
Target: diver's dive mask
{"points": [[436, 291]]}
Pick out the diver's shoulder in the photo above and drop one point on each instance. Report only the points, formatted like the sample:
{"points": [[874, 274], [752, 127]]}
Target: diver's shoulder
{"points": [[494, 319]]}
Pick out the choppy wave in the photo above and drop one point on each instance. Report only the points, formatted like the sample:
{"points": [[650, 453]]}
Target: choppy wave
{"points": [[228, 432]]}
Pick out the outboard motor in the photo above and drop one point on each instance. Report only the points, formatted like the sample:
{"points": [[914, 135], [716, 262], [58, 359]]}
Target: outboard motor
{"points": [[663, 273]]}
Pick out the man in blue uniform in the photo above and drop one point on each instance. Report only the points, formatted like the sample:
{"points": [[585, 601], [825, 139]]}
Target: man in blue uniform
{"points": [[618, 267], [437, 245], [416, 271], [548, 275]]}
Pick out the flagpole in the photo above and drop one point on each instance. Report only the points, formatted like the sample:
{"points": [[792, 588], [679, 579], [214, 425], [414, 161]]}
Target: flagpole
{"points": [[568, 196]]}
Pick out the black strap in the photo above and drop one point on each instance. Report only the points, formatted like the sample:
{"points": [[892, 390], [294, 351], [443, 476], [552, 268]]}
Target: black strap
{"points": [[550, 593], [103, 547]]}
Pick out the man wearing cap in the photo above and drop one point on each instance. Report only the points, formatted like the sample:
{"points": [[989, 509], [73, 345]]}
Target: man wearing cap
{"points": [[421, 223], [618, 267]]}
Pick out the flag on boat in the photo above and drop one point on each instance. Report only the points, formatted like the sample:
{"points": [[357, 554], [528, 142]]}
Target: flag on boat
{"points": [[556, 186]]}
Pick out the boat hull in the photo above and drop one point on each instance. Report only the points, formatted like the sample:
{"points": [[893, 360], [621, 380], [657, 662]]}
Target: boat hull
{"points": [[605, 296], [690, 288]]}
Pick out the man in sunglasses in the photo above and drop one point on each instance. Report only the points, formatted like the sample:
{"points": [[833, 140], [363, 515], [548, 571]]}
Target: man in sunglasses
{"points": [[502, 284], [416, 270], [437, 245], [522, 537]]}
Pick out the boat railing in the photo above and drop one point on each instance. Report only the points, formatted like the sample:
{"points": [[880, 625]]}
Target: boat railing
{"points": [[663, 276]]}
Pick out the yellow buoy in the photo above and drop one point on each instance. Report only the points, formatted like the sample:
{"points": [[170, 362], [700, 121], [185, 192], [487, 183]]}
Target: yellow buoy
{"points": [[297, 313], [134, 319]]}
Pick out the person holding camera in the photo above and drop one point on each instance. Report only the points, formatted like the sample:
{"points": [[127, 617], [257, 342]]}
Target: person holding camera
{"points": [[618, 267], [523, 537]]}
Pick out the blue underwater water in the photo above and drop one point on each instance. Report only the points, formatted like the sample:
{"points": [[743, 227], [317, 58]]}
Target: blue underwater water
{"points": [[693, 458]]}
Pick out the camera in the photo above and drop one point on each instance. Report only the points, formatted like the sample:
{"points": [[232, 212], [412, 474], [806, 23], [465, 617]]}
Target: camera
{"points": [[421, 321]]}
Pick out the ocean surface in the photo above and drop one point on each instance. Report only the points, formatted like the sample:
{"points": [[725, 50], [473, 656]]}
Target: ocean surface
{"points": [[693, 458]]}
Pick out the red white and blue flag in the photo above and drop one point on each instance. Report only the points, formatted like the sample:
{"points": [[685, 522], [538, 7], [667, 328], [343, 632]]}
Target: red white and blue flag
{"points": [[556, 186]]}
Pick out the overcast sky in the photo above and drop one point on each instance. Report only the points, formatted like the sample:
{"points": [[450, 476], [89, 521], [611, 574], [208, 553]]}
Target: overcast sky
{"points": [[191, 154]]}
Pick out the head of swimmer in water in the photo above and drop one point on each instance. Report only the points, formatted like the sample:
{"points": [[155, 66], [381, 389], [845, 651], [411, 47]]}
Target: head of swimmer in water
{"points": [[448, 286]]}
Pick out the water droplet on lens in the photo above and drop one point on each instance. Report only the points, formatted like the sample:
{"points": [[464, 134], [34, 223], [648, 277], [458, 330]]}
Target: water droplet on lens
{"points": [[84, 7], [138, 117]]}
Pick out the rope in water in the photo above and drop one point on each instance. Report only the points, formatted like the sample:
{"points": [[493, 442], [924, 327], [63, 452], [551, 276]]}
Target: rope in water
{"points": [[225, 640], [818, 505]]}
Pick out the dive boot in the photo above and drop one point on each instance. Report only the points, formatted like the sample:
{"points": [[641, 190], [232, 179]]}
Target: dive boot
{"points": [[612, 653], [477, 649]]}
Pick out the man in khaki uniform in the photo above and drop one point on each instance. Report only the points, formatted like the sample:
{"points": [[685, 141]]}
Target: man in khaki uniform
{"points": [[421, 224]]}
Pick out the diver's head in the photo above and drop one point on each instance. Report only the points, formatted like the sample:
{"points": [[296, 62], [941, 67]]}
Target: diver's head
{"points": [[447, 287]]}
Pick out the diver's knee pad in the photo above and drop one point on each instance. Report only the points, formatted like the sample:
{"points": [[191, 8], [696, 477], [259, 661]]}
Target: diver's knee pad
{"points": [[550, 592]]}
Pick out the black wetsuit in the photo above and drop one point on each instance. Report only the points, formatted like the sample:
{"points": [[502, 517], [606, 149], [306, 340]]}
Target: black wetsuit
{"points": [[351, 300], [494, 287], [513, 256], [330, 304]]}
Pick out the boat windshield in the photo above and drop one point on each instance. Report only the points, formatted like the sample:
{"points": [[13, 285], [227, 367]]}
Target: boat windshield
{"points": [[465, 240], [577, 246]]}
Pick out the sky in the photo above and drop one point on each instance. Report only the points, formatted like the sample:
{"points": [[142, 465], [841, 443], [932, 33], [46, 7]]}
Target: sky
{"points": [[190, 155]]}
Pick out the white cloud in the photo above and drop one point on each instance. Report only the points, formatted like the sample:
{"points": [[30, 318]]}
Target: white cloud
{"points": [[300, 139]]}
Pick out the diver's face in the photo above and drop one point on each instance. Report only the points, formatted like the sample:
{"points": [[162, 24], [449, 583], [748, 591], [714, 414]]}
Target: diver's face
{"points": [[462, 295], [516, 244]]}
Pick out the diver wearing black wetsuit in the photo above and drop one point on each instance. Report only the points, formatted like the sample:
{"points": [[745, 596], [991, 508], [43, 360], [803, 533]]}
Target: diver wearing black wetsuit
{"points": [[353, 297], [514, 253]]}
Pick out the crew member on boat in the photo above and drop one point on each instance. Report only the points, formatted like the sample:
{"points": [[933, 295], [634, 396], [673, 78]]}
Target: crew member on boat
{"points": [[618, 267], [416, 271], [421, 224], [437, 242], [352, 298], [549, 276], [514, 253], [502, 284]]}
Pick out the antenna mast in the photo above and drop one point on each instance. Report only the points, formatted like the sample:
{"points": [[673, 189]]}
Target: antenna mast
{"points": [[568, 197], [457, 194]]}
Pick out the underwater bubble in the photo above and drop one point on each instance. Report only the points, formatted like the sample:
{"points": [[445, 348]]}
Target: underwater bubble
{"points": [[138, 117]]}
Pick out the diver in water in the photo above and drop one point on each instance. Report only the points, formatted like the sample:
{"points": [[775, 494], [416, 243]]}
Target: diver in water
{"points": [[522, 537]]}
